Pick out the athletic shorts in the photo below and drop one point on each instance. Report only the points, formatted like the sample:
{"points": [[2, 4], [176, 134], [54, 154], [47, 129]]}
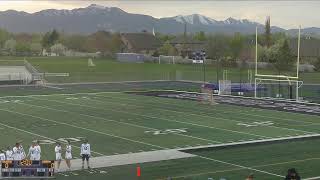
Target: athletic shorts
{"points": [[58, 156], [68, 156], [85, 157]]}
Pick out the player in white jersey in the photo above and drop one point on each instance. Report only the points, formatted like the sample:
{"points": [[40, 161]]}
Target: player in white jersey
{"points": [[9, 153], [85, 153], [38, 151], [34, 151], [2, 155], [58, 151], [18, 152], [68, 155]]}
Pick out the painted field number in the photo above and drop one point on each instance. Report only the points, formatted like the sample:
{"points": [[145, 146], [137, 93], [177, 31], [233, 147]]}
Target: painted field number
{"points": [[255, 124], [167, 131]]}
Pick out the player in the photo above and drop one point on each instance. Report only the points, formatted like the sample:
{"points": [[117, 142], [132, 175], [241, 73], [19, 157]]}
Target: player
{"points": [[38, 151], [2, 155], [34, 151], [68, 155], [9, 153], [58, 151], [18, 152], [85, 153]]}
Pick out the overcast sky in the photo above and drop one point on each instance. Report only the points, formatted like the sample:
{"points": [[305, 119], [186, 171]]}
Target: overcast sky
{"points": [[287, 14]]}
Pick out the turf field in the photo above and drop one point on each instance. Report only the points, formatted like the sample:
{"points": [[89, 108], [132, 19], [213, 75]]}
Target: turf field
{"points": [[112, 70], [120, 123]]}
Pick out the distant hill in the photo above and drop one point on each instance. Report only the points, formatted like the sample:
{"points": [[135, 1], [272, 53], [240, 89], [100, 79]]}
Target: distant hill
{"points": [[94, 18]]}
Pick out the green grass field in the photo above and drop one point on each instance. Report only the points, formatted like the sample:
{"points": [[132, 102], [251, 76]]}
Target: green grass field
{"points": [[119, 123], [111, 70]]}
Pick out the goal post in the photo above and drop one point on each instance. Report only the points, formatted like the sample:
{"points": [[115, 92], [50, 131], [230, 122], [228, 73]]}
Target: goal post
{"points": [[166, 59], [280, 85]]}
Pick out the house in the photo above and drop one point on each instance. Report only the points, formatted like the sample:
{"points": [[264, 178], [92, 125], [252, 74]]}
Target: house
{"points": [[187, 45], [143, 43]]}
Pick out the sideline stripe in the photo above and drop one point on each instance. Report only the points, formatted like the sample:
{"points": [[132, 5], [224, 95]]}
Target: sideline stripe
{"points": [[255, 166], [312, 178], [62, 94], [240, 166]]}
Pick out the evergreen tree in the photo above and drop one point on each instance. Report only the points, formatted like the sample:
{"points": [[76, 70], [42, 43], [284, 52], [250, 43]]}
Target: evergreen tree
{"points": [[268, 39]]}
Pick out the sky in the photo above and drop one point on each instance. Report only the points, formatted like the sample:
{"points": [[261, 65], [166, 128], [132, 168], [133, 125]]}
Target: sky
{"points": [[286, 14]]}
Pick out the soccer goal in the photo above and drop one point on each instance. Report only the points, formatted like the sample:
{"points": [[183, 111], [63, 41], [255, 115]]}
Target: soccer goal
{"points": [[166, 59], [285, 89], [224, 87], [91, 63]]}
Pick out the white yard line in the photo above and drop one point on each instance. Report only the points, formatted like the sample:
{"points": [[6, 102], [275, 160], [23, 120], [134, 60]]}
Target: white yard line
{"points": [[237, 169], [239, 112], [52, 87], [62, 94], [153, 117], [83, 128], [45, 137], [115, 121], [312, 178], [201, 115], [240, 166], [250, 142]]}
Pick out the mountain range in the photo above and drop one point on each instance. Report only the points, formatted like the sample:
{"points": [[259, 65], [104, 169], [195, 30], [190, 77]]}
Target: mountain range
{"points": [[95, 17]]}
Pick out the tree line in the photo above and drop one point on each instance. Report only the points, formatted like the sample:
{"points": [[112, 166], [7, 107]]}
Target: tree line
{"points": [[24, 44]]}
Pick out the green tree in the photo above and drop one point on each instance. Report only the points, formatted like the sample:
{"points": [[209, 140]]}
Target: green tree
{"points": [[236, 46], [75, 42], [54, 37], [280, 56], [49, 39], [317, 64], [268, 40], [167, 49], [115, 43], [217, 46], [200, 36], [45, 42], [4, 36], [23, 49], [10, 46], [35, 48]]}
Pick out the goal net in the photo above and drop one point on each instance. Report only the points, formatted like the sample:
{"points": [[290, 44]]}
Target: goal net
{"points": [[90, 63], [166, 59], [285, 89], [224, 87]]}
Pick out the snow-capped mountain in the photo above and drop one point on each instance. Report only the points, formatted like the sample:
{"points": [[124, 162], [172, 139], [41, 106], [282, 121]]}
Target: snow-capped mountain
{"points": [[195, 19], [95, 17]]}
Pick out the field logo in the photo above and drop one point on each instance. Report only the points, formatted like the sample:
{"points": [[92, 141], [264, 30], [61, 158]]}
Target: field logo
{"points": [[167, 131], [63, 140], [255, 124]]}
